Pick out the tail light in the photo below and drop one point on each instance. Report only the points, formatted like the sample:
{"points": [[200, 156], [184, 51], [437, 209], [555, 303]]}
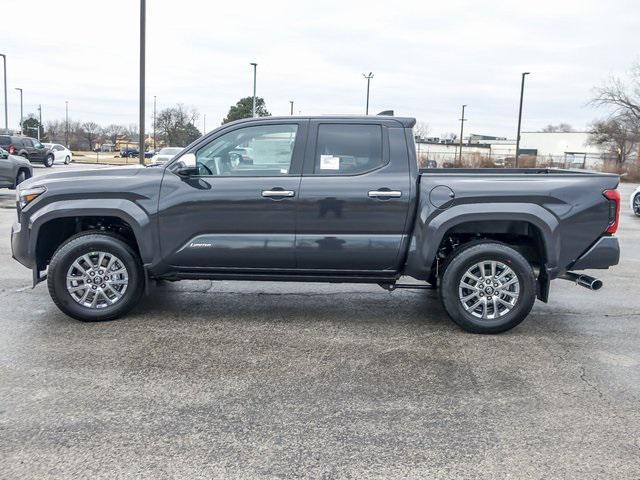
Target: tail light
{"points": [[12, 149], [614, 209]]}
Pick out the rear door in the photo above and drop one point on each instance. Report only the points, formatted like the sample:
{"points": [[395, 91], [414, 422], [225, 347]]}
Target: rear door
{"points": [[237, 213], [354, 198]]}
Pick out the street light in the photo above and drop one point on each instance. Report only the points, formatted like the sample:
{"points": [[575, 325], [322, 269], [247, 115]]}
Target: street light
{"points": [[21, 115], [39, 120], [368, 77], [154, 124], [291, 102], [462, 120], [253, 104], [520, 117], [143, 21], [6, 115], [66, 123]]}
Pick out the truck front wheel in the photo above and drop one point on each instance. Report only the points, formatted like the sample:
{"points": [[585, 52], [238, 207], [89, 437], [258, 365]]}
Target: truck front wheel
{"points": [[488, 288], [95, 276]]}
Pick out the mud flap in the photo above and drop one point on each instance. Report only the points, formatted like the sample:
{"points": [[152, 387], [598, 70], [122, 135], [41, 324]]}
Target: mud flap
{"points": [[37, 276], [543, 285]]}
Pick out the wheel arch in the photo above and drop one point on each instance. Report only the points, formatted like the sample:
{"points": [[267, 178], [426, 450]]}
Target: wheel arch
{"points": [[54, 223], [482, 221]]}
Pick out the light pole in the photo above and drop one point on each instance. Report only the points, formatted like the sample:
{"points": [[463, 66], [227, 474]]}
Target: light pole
{"points": [[520, 117], [143, 21], [462, 120], [154, 124], [39, 120], [368, 77], [21, 114], [253, 103], [6, 114], [291, 102], [204, 123], [66, 123]]}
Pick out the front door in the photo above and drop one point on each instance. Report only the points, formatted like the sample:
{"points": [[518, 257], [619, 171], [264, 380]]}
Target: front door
{"points": [[354, 198], [236, 210], [6, 169]]}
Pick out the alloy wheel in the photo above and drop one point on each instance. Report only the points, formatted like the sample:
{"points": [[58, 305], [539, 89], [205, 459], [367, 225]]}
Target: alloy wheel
{"points": [[489, 289]]}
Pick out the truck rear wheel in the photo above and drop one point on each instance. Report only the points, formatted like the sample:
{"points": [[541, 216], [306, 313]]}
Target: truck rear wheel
{"points": [[488, 288], [95, 276]]}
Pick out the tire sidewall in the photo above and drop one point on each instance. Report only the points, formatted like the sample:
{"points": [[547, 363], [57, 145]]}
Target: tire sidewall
{"points": [[633, 208], [49, 161], [75, 248], [487, 252]]}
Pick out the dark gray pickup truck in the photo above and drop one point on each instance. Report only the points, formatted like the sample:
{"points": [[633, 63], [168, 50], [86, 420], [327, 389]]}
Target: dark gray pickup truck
{"points": [[317, 199]]}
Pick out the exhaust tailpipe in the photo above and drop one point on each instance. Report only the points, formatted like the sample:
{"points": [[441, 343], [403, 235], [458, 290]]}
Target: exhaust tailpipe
{"points": [[585, 281]]}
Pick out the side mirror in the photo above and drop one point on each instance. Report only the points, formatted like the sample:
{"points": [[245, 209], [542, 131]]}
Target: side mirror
{"points": [[186, 165]]}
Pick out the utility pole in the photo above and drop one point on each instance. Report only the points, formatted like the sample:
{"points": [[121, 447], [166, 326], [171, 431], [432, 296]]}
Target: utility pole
{"points": [[462, 120], [253, 104], [143, 21], [6, 114], [368, 77], [520, 117], [204, 124], [39, 120], [154, 124], [21, 113], [66, 123], [291, 102]]}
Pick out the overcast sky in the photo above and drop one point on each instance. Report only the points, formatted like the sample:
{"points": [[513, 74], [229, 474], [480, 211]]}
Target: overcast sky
{"points": [[428, 58]]}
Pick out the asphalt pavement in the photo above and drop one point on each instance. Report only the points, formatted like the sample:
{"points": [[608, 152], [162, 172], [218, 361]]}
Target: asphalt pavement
{"points": [[285, 380]]}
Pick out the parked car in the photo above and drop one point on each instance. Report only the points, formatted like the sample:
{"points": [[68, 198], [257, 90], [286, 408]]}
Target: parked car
{"points": [[431, 164], [129, 152], [325, 199], [61, 153], [165, 154], [27, 147], [13, 170], [635, 202]]}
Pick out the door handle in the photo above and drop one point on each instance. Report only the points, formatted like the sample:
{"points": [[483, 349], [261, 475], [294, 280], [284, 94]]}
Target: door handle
{"points": [[385, 193], [278, 193]]}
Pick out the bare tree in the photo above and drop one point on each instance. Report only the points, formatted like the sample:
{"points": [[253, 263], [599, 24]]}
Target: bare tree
{"points": [[113, 132], [561, 127], [615, 135], [623, 96], [421, 130], [176, 125], [90, 132]]}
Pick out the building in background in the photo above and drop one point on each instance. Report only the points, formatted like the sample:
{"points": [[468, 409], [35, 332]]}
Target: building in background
{"points": [[555, 149]]}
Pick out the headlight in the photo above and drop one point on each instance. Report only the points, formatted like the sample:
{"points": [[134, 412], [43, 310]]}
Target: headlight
{"points": [[28, 195]]}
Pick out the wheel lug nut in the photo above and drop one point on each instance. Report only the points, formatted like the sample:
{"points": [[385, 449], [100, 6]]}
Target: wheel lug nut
{"points": [[93, 287]]}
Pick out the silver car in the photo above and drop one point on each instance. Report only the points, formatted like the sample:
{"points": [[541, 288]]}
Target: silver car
{"points": [[165, 154], [13, 170]]}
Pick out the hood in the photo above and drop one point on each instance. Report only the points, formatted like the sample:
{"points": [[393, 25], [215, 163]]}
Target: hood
{"points": [[111, 174]]}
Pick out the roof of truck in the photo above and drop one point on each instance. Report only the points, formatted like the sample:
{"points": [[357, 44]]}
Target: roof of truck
{"points": [[406, 122]]}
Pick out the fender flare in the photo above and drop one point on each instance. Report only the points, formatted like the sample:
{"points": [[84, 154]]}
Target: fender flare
{"points": [[125, 210], [431, 229]]}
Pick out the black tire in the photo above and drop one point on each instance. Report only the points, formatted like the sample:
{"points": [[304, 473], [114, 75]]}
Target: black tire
{"points": [[21, 177], [636, 205], [466, 258], [79, 245], [67, 160], [48, 162]]}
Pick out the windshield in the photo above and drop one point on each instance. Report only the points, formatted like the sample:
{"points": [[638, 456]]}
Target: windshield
{"points": [[170, 151]]}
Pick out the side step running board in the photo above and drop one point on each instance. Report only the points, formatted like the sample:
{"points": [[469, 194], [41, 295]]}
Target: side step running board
{"points": [[411, 286]]}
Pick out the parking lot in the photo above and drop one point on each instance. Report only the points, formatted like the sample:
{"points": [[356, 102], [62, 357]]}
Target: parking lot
{"points": [[268, 380]]}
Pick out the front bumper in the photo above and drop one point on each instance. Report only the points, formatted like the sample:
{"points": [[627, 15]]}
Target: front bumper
{"points": [[20, 245], [603, 254]]}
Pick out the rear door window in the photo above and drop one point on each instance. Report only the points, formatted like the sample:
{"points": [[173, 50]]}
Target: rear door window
{"points": [[344, 149]]}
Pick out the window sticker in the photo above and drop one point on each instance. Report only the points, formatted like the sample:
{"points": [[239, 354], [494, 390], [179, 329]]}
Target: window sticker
{"points": [[329, 162]]}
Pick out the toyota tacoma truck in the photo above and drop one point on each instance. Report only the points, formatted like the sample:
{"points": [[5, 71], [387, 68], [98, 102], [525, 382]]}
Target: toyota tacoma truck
{"points": [[317, 199]]}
